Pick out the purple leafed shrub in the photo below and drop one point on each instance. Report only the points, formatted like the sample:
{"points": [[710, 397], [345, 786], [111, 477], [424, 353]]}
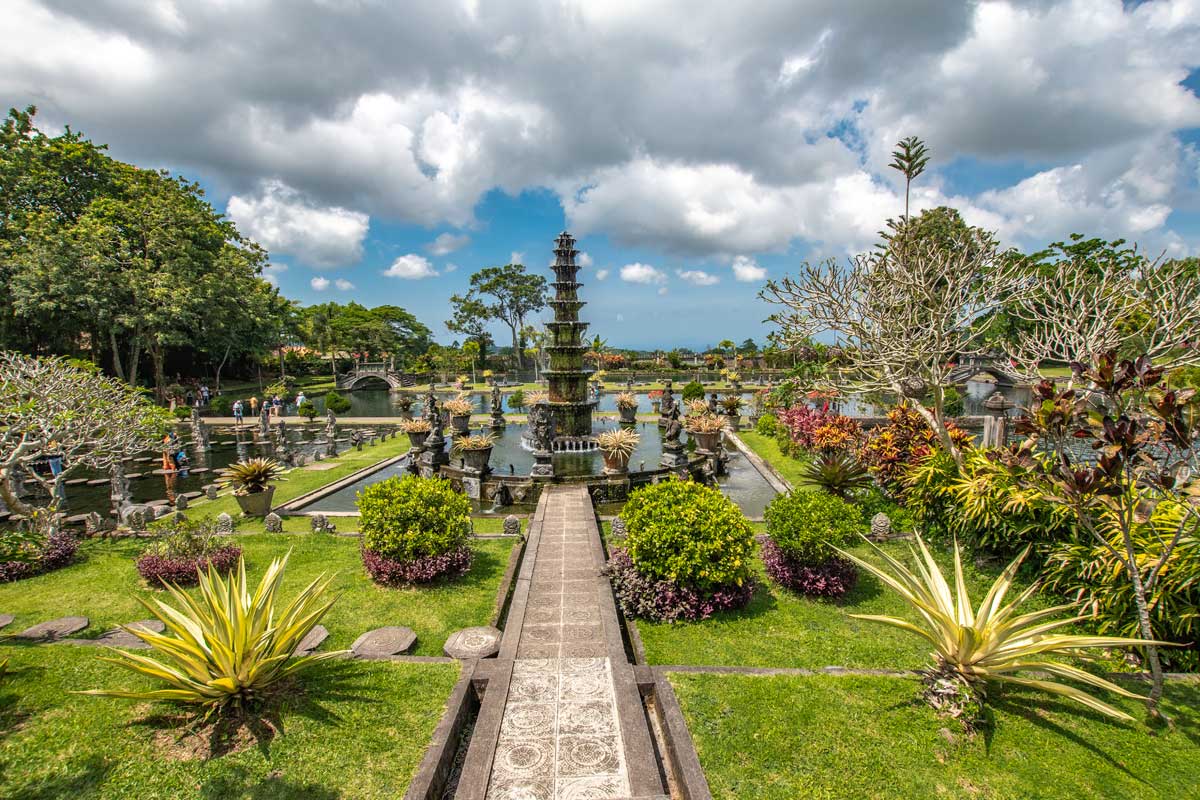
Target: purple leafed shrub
{"points": [[831, 578], [185, 570], [421, 569], [58, 551], [664, 601]]}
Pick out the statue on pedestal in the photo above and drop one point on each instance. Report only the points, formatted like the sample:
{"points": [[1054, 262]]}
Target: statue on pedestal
{"points": [[498, 420], [542, 427]]}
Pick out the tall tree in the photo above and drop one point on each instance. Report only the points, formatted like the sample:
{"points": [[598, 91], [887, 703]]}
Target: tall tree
{"points": [[514, 293]]}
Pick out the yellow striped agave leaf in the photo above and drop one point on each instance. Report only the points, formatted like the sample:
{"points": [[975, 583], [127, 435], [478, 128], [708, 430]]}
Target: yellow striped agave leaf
{"points": [[227, 646], [992, 642]]}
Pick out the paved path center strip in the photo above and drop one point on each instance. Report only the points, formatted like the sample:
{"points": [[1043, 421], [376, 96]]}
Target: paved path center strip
{"points": [[571, 721]]}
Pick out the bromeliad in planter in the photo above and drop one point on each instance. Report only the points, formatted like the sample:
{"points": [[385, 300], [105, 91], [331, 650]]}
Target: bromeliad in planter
{"points": [[418, 430], [617, 447], [627, 406], [706, 430], [251, 481], [474, 450]]}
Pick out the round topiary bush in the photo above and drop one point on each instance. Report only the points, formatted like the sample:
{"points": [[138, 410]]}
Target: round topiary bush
{"points": [[804, 529], [686, 553], [414, 530]]}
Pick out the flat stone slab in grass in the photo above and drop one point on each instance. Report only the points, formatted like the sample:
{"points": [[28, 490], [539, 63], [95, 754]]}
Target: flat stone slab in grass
{"points": [[55, 628], [97, 481], [5, 620], [383, 642], [76, 481], [320, 466], [121, 638], [478, 642], [312, 640]]}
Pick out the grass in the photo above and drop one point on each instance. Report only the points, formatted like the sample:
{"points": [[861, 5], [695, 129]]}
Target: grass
{"points": [[768, 450], [781, 628], [104, 585], [359, 730], [826, 737]]}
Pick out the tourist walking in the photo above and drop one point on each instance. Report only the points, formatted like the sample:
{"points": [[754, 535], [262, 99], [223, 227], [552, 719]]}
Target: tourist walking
{"points": [[300, 400], [237, 413], [204, 394]]}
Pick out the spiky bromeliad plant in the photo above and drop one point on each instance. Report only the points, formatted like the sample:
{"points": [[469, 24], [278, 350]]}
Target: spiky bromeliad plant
{"points": [[618, 442], [478, 441], [228, 647], [627, 400], [992, 643], [837, 473], [251, 476]]}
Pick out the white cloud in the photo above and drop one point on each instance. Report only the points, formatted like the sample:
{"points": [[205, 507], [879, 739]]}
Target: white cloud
{"points": [[583, 259], [319, 284], [447, 243], [272, 271], [280, 219], [343, 284], [517, 257], [601, 274], [642, 273], [410, 267], [697, 277], [662, 290], [747, 270], [451, 267]]}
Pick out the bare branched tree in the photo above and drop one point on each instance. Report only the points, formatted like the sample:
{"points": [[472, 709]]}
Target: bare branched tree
{"points": [[49, 408], [903, 315], [1079, 311]]}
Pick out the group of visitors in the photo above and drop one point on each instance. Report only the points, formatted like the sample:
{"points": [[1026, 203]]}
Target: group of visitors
{"points": [[274, 407]]}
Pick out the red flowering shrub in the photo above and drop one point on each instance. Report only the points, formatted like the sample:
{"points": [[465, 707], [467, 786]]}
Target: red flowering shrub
{"points": [[56, 552], [832, 577], [665, 601], [422, 569], [818, 429]]}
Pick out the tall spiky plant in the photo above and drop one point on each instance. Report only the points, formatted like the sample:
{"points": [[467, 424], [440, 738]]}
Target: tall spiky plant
{"points": [[225, 649], [910, 157], [992, 643]]}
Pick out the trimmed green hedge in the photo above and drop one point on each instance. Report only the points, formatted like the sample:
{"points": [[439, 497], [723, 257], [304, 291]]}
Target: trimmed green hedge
{"points": [[411, 517]]}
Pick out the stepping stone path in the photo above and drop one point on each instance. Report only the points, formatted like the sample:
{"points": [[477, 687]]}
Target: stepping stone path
{"points": [[479, 642], [6, 620], [118, 637], [572, 720], [383, 642], [54, 629], [312, 640]]}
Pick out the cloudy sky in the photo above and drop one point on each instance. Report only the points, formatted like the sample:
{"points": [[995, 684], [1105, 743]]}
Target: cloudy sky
{"points": [[383, 151]]}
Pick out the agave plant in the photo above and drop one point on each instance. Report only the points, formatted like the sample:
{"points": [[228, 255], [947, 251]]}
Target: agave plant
{"points": [[836, 473], [992, 643], [479, 441], [251, 476], [419, 425], [732, 404], [626, 400], [459, 407], [618, 442], [228, 647], [706, 423]]}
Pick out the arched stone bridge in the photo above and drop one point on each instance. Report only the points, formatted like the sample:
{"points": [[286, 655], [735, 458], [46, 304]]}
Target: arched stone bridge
{"points": [[974, 365], [366, 372]]}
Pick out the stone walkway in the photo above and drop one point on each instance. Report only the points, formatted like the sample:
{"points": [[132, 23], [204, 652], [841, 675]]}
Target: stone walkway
{"points": [[572, 724]]}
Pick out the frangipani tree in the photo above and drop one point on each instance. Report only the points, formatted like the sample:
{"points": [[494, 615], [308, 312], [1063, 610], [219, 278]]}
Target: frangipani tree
{"points": [[50, 407], [903, 314]]}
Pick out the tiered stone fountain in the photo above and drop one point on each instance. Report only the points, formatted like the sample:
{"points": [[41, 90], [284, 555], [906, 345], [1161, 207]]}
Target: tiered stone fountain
{"points": [[570, 408]]}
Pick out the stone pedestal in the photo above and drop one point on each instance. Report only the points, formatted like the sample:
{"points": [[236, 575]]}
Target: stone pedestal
{"points": [[674, 456], [543, 464]]}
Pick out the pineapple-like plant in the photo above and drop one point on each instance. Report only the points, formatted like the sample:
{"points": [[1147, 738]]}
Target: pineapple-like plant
{"points": [[993, 643], [705, 423], [418, 425], [228, 647], [459, 407], [620, 442], [479, 441], [251, 476], [626, 400], [836, 473]]}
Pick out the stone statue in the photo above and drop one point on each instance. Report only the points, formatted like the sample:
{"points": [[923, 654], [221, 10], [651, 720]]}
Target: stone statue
{"points": [[119, 486], [543, 427], [712, 403], [330, 426], [431, 407], [496, 402], [264, 424], [498, 420], [674, 427], [667, 404]]}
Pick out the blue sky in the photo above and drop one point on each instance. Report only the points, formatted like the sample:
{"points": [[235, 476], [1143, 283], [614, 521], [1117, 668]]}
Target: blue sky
{"points": [[694, 148]]}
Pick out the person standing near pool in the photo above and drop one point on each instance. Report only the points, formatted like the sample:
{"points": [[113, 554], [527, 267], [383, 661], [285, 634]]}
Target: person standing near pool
{"points": [[253, 406], [237, 413]]}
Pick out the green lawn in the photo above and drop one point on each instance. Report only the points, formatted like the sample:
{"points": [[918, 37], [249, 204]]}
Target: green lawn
{"points": [[826, 737], [768, 450], [359, 730], [783, 629], [104, 584]]}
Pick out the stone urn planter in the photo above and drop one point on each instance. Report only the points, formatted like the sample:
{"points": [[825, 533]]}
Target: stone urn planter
{"points": [[476, 460], [735, 421], [615, 463], [460, 425], [256, 504], [628, 415], [417, 439], [710, 442]]}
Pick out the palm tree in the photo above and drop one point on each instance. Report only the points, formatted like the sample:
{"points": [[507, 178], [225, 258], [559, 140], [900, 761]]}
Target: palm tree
{"points": [[598, 347]]}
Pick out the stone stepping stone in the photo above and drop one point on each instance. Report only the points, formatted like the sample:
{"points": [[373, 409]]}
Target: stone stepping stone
{"points": [[76, 481], [478, 642], [97, 481], [160, 502], [199, 470], [383, 642], [161, 471], [121, 638], [6, 620], [54, 629], [133, 476], [193, 495], [312, 640]]}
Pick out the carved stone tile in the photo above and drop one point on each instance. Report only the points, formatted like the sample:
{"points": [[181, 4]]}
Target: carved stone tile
{"points": [[593, 787], [588, 755], [593, 718]]}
